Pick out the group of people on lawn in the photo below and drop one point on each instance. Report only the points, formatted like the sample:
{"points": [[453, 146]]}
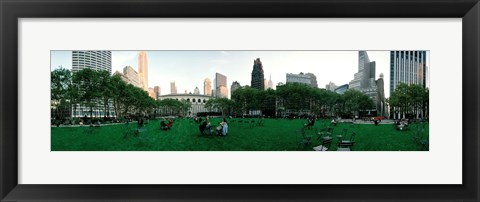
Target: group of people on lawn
{"points": [[166, 126], [206, 127]]}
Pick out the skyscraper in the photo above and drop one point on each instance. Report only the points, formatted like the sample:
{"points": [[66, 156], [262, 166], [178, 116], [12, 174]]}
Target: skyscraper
{"points": [[97, 60], [265, 84], [173, 88], [196, 91], [365, 77], [364, 81], [221, 89], [409, 67], [257, 75], [270, 82], [157, 91], [207, 87], [235, 85], [143, 69], [222, 92]]}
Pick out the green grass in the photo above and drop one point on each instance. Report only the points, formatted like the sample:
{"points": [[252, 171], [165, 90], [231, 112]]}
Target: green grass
{"points": [[275, 135]]}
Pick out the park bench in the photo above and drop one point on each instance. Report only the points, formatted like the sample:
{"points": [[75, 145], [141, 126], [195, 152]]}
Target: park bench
{"points": [[139, 131], [418, 137], [346, 145], [261, 122], [89, 130], [302, 139]]}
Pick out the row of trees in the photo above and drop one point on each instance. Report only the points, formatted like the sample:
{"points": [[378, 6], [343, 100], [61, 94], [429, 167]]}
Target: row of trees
{"points": [[96, 90], [409, 101], [292, 98]]}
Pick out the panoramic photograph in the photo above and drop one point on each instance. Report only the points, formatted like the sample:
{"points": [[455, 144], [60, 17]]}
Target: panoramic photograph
{"points": [[205, 100]]}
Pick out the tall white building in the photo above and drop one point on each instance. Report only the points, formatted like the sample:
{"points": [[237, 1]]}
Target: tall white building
{"points": [[97, 60]]}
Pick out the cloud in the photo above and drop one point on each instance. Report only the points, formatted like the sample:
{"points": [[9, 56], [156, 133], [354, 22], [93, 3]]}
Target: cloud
{"points": [[220, 61], [120, 59]]}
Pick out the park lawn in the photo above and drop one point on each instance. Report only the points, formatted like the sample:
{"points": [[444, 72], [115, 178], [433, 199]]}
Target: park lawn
{"points": [[275, 135]]}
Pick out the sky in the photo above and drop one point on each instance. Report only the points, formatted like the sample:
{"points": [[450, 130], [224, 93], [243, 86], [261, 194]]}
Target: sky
{"points": [[190, 68]]}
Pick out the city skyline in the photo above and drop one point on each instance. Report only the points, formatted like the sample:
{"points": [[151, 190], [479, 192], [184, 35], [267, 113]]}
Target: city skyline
{"points": [[190, 68]]}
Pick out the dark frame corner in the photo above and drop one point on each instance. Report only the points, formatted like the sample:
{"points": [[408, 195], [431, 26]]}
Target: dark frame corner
{"points": [[10, 11]]}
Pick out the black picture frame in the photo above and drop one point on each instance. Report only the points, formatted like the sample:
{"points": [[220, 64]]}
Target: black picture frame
{"points": [[11, 11]]}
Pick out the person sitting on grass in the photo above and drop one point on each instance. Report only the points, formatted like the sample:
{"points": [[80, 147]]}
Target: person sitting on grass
{"points": [[311, 121], [140, 122], [334, 122], [221, 127], [170, 124], [224, 127], [163, 125], [205, 128]]}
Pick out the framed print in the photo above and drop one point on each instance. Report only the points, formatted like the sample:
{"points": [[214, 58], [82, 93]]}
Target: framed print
{"points": [[228, 100]]}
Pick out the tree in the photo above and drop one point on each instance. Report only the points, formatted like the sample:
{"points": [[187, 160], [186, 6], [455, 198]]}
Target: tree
{"points": [[118, 87], [356, 101], [221, 104], [171, 106], [89, 83], [61, 81], [106, 90], [295, 97], [246, 99], [409, 100]]}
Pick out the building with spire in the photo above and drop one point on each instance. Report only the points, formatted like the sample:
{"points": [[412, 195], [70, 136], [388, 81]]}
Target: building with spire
{"points": [[257, 75], [270, 82], [143, 70]]}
